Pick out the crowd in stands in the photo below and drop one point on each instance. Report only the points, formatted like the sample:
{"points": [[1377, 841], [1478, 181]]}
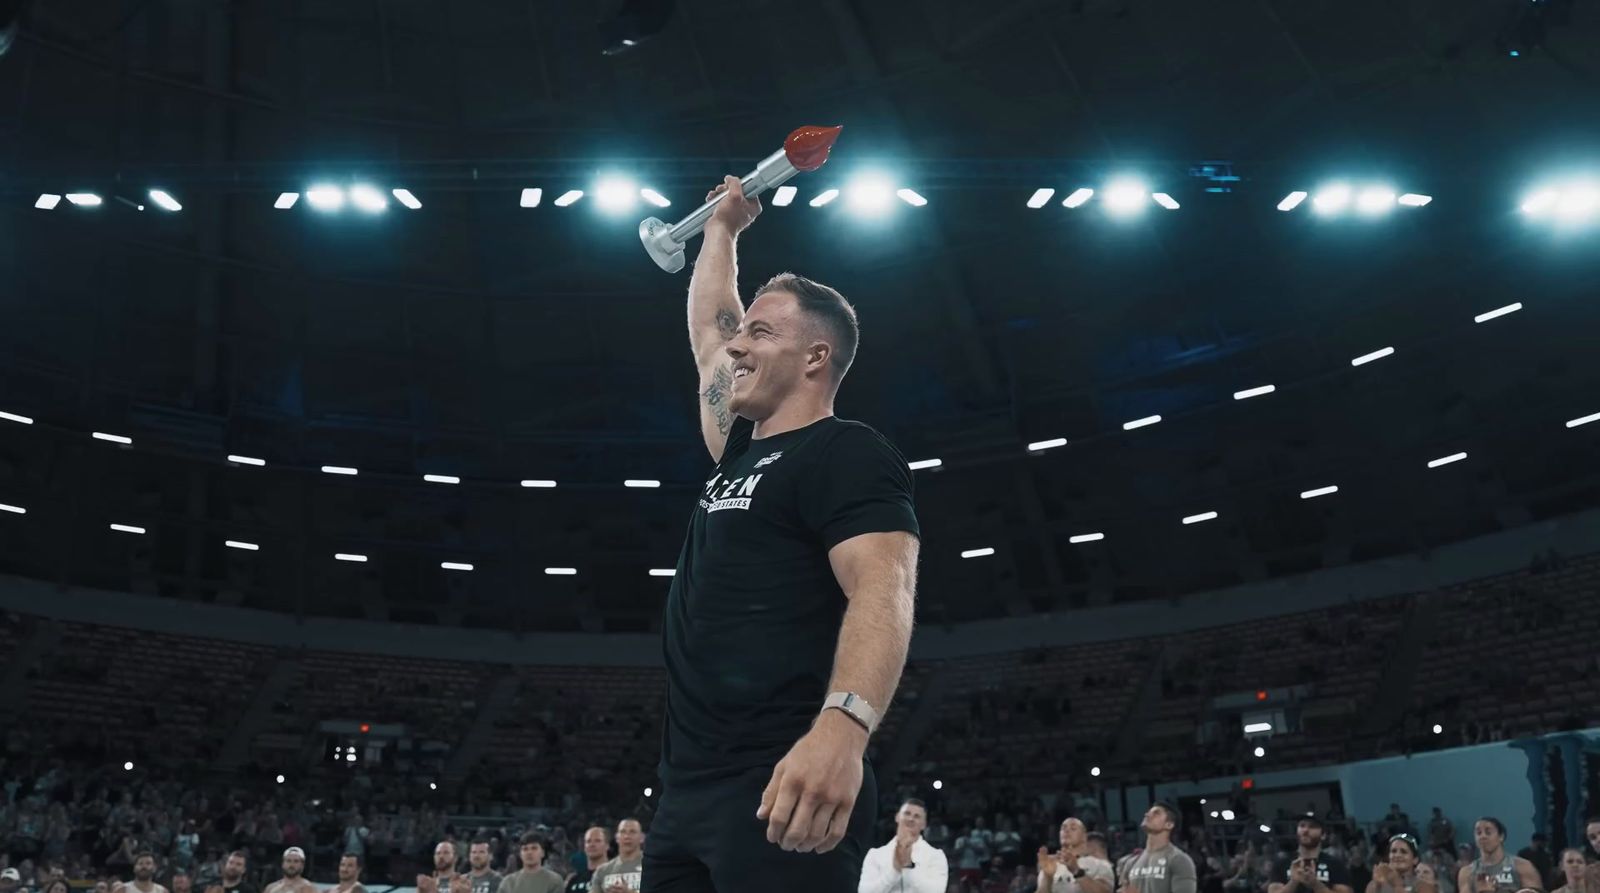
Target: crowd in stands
{"points": [[1012, 736]]}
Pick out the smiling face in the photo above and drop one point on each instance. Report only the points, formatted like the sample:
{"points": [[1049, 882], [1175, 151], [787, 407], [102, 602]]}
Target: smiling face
{"points": [[1401, 856], [774, 354], [911, 819]]}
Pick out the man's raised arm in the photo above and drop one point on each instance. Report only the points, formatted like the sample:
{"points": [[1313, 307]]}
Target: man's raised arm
{"points": [[715, 312]]}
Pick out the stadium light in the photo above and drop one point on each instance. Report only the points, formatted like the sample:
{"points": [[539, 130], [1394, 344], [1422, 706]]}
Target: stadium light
{"points": [[1141, 423], [1039, 446], [280, 779], [13, 509], [164, 200], [1413, 200], [922, 464], [1040, 197], [286, 200], [1320, 491], [1375, 200], [984, 552], [1261, 751], [113, 438], [869, 194], [1227, 815], [1253, 392], [127, 528], [1086, 538], [542, 485], [1446, 460], [1292, 200], [561, 571], [340, 469], [404, 197], [47, 201], [654, 198], [1077, 198], [247, 460], [128, 766], [368, 198], [1438, 729], [641, 484], [1215, 814], [1583, 420], [784, 196], [85, 199], [1266, 829], [1126, 196], [531, 197], [911, 197], [325, 197], [1094, 771], [615, 195], [247, 547], [1165, 201], [1203, 516], [568, 197], [938, 784], [455, 566], [1498, 312], [663, 571], [13, 417], [1375, 355], [441, 479], [348, 556], [433, 786], [648, 792], [824, 197], [1332, 199]]}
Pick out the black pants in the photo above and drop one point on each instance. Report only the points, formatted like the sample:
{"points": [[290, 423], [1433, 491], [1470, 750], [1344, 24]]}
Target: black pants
{"points": [[706, 838]]}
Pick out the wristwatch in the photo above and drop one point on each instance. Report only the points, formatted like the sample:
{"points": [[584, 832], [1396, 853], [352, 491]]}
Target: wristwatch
{"points": [[1079, 874], [853, 706]]}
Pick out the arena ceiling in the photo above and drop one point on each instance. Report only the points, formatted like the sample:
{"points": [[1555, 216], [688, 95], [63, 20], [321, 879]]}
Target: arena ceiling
{"points": [[480, 339]]}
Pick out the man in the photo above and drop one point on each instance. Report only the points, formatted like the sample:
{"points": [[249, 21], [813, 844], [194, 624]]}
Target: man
{"points": [[144, 874], [532, 877], [595, 845], [10, 880], [1073, 869], [444, 878], [1312, 870], [1097, 847], [907, 864], [294, 874], [349, 875], [182, 882], [1494, 870], [1537, 852], [233, 876], [1441, 833], [1591, 833], [622, 874], [1160, 867], [789, 616], [483, 878]]}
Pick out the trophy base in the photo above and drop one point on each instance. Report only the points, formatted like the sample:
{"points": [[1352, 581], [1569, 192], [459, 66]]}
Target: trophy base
{"points": [[659, 244]]}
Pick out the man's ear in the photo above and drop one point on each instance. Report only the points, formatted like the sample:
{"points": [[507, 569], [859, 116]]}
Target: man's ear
{"points": [[819, 354]]}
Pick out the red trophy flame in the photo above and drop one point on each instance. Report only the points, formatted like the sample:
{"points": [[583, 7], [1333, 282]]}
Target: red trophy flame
{"points": [[805, 150]]}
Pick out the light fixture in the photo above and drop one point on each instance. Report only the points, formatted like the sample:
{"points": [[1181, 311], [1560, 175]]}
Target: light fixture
{"points": [[824, 197], [923, 464], [1086, 538], [1078, 197], [455, 566], [784, 196], [325, 197], [1254, 727], [561, 571], [1165, 201], [1375, 200], [1583, 420], [433, 786], [615, 195], [1042, 445], [869, 194], [542, 485], [13, 509], [286, 200], [368, 198], [280, 779], [441, 479], [1292, 200], [347, 556], [1141, 423], [984, 552], [13, 417], [1253, 392], [531, 196], [1261, 751], [85, 199], [1413, 200], [113, 438], [164, 200], [1126, 196], [1266, 829], [247, 460], [236, 544], [339, 469], [47, 201], [1332, 199], [1320, 491], [662, 571], [127, 528], [648, 792], [127, 767], [1040, 197], [1498, 312], [938, 785], [1446, 460], [1203, 516], [641, 484], [1375, 355], [1227, 815], [568, 197], [404, 197], [911, 197], [654, 198], [1094, 771]]}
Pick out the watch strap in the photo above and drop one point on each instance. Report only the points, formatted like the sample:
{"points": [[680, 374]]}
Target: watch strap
{"points": [[854, 706]]}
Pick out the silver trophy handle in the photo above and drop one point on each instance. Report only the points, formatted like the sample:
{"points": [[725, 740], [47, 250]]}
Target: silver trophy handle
{"points": [[664, 242]]}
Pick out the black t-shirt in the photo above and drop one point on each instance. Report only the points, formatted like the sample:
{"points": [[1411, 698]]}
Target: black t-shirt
{"points": [[753, 615], [1331, 870], [579, 883]]}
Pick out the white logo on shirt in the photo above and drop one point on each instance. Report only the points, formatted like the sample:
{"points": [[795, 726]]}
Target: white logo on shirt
{"points": [[731, 494], [770, 459]]}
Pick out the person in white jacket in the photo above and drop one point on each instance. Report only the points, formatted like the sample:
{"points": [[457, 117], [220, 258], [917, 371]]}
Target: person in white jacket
{"points": [[906, 864]]}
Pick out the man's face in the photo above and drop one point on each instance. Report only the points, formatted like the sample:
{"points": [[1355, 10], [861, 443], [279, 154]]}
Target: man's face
{"points": [[1073, 834], [234, 869], [1156, 821], [911, 819], [144, 868], [293, 866], [595, 843], [1487, 836], [349, 869], [532, 856], [444, 857], [629, 835], [769, 354], [1310, 835], [478, 856], [182, 883], [1592, 832]]}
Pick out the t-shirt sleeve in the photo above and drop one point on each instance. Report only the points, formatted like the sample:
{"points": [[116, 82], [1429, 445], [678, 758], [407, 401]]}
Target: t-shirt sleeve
{"points": [[864, 487], [1183, 875]]}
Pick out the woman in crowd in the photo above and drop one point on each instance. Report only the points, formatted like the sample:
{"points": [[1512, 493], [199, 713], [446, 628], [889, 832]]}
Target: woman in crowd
{"points": [[1404, 872], [1572, 871]]}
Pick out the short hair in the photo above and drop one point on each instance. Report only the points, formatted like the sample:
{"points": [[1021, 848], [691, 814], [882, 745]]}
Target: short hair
{"points": [[446, 841], [631, 818], [829, 310], [144, 854], [1096, 837], [241, 854], [1171, 811], [1498, 825], [912, 801], [529, 837], [1591, 820], [483, 840], [355, 856]]}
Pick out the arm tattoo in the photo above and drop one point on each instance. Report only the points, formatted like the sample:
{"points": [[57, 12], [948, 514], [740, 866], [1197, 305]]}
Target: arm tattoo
{"points": [[716, 395], [727, 324]]}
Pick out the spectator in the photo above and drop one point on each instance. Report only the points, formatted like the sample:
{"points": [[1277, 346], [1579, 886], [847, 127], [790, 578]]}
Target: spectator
{"points": [[294, 879], [1073, 869], [1007, 842], [349, 875], [1402, 872], [533, 877], [1591, 833], [444, 878], [182, 882], [233, 876], [908, 862], [972, 852], [1312, 870], [595, 848], [482, 877], [938, 834], [1494, 870], [1441, 832], [144, 874], [1538, 854], [1161, 867], [1573, 870], [622, 874], [10, 880]]}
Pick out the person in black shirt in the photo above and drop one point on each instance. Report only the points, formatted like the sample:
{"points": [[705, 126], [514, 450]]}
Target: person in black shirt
{"points": [[1312, 870], [789, 615]]}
